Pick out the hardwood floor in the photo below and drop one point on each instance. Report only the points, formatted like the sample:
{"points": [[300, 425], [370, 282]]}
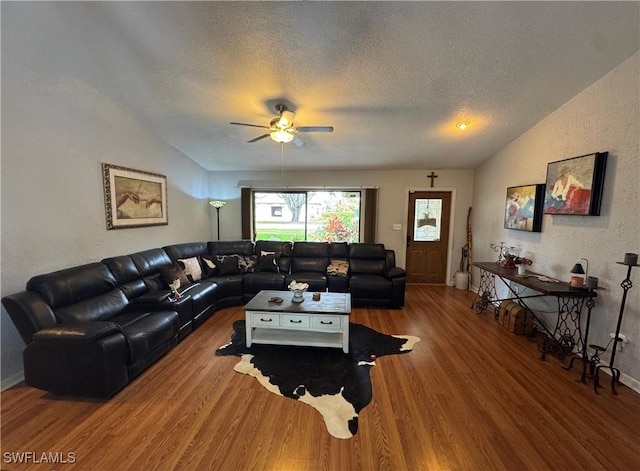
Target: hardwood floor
{"points": [[471, 396]]}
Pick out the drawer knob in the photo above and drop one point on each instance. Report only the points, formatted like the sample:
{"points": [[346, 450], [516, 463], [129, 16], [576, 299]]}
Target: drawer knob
{"points": [[326, 323], [295, 322], [266, 320]]}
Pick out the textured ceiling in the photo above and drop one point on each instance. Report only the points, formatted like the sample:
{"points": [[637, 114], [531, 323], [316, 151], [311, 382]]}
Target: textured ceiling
{"points": [[391, 77]]}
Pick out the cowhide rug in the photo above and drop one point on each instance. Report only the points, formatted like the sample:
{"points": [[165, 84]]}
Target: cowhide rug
{"points": [[335, 383]]}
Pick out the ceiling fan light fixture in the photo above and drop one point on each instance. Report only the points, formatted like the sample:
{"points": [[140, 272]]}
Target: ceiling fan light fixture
{"points": [[286, 119], [281, 136]]}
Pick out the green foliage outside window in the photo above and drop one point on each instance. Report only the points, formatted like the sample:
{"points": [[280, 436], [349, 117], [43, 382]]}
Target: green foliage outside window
{"points": [[340, 224]]}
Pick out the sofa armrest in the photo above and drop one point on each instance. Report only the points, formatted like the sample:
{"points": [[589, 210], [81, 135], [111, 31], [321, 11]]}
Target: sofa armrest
{"points": [[79, 332], [81, 359], [152, 297], [29, 313], [396, 272]]}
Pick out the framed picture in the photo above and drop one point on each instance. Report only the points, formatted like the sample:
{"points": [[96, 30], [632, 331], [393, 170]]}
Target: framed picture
{"points": [[523, 207], [574, 186], [134, 198]]}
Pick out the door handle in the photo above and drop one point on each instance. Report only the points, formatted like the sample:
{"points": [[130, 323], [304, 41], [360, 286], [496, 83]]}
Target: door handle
{"points": [[408, 240]]}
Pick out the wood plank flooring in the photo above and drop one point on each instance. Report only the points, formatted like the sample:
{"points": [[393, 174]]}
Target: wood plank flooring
{"points": [[471, 396]]}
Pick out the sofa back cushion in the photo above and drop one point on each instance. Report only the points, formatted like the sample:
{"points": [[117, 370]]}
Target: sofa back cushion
{"points": [[275, 246], [230, 247], [72, 285], [184, 251], [98, 308], [127, 275], [148, 263], [310, 257], [368, 258], [79, 294], [338, 250]]}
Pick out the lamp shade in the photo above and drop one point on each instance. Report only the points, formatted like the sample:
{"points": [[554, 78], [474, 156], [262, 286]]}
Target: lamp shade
{"points": [[577, 269], [217, 203]]}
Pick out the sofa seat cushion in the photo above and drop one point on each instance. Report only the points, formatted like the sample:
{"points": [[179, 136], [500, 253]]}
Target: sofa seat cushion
{"points": [[203, 296], [146, 332], [163, 301], [370, 286], [338, 284], [228, 286], [316, 281], [257, 281]]}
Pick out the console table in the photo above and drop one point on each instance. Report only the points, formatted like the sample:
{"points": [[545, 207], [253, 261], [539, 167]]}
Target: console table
{"points": [[567, 333]]}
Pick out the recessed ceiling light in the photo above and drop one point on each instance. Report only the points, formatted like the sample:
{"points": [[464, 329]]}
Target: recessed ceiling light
{"points": [[462, 125]]}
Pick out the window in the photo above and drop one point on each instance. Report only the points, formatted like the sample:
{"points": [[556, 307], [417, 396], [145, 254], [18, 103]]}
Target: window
{"points": [[307, 215]]}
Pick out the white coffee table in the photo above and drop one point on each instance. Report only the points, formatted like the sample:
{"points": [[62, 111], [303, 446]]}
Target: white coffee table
{"points": [[322, 323]]}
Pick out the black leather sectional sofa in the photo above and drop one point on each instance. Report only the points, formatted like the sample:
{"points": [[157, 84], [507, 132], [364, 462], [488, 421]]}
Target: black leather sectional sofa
{"points": [[91, 329]]}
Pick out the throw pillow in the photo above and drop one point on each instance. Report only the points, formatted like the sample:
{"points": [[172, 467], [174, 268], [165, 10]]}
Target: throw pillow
{"points": [[227, 265], [191, 268], [268, 261], [170, 273], [247, 263], [338, 268], [210, 265]]}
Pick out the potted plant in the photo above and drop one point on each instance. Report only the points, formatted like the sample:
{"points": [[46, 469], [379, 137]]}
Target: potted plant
{"points": [[521, 263]]}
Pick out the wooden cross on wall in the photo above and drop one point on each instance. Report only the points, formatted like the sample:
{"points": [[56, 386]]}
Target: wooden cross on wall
{"points": [[432, 176]]}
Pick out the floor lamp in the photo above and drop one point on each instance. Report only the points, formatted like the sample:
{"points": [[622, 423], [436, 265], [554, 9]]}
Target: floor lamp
{"points": [[218, 204]]}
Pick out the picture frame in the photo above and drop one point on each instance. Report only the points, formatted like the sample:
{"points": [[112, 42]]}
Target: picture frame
{"points": [[575, 185], [523, 207], [134, 198]]}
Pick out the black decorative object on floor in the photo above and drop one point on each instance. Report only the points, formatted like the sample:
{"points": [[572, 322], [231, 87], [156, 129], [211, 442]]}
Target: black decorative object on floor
{"points": [[335, 383], [626, 285]]}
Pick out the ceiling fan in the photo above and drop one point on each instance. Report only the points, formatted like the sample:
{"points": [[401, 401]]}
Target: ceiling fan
{"points": [[282, 130]]}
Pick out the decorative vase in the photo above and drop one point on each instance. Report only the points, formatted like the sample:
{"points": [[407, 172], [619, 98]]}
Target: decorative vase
{"points": [[298, 289], [521, 269]]}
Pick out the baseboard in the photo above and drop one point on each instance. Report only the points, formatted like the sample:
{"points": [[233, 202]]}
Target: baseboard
{"points": [[12, 380], [627, 380]]}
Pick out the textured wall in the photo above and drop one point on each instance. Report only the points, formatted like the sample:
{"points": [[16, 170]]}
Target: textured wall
{"points": [[604, 117], [56, 131]]}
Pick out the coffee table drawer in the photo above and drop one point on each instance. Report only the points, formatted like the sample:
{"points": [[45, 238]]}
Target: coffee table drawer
{"points": [[295, 321], [326, 322], [265, 319]]}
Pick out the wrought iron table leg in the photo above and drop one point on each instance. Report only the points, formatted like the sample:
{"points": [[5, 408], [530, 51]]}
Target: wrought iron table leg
{"points": [[486, 292]]}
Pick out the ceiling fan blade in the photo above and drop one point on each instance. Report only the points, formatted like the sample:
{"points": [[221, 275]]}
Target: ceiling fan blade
{"points": [[297, 141], [314, 128], [247, 124], [259, 137]]}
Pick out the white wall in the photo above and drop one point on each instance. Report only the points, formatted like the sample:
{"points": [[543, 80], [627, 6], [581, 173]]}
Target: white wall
{"points": [[56, 131], [393, 190], [604, 117]]}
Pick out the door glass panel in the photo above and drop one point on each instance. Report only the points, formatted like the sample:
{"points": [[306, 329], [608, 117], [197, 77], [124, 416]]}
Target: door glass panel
{"points": [[427, 220]]}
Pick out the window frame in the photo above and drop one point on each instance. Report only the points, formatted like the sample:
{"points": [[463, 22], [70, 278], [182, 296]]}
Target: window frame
{"points": [[368, 209]]}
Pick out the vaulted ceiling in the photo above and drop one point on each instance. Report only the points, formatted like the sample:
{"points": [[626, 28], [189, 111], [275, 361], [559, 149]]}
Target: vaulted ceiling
{"points": [[392, 78]]}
